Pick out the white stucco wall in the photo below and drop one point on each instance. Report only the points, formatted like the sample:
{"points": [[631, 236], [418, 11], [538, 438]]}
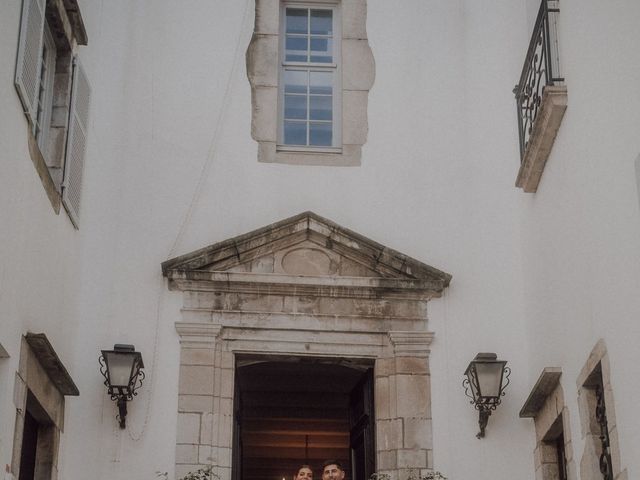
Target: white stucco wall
{"points": [[40, 273], [171, 167], [582, 255]]}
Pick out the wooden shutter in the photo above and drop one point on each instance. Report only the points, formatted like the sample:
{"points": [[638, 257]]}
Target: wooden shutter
{"points": [[76, 143], [29, 52]]}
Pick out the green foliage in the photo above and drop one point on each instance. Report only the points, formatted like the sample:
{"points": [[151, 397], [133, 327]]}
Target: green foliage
{"points": [[204, 473], [380, 476], [432, 475]]}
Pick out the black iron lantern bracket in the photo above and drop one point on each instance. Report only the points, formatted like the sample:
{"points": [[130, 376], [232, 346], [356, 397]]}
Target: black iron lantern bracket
{"points": [[472, 389], [121, 394]]}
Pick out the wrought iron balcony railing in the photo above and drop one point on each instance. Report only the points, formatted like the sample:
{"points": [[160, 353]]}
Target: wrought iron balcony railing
{"points": [[541, 68]]}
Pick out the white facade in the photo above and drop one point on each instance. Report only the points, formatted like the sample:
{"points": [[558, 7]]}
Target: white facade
{"points": [[171, 167]]}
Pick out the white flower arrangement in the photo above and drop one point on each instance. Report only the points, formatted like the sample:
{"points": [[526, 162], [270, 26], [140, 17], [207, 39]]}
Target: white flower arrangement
{"points": [[205, 473], [431, 475]]}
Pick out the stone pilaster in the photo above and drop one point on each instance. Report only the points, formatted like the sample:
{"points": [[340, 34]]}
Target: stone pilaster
{"points": [[403, 405], [205, 400]]}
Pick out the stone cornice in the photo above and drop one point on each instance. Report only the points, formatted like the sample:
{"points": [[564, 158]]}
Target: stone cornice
{"points": [[390, 264], [51, 363], [411, 344], [317, 286], [198, 333], [547, 382]]}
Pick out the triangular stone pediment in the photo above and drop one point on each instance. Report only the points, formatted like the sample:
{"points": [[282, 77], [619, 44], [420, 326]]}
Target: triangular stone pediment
{"points": [[306, 245]]}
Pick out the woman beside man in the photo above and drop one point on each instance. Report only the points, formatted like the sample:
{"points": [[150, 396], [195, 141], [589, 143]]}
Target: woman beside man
{"points": [[331, 470]]}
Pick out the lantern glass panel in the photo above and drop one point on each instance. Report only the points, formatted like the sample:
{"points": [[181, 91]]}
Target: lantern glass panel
{"points": [[471, 376], [120, 366], [489, 378]]}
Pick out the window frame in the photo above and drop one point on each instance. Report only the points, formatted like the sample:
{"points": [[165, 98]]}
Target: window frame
{"points": [[38, 449], [553, 448], [561, 456], [46, 73], [46, 76], [553, 453], [41, 387], [334, 67]]}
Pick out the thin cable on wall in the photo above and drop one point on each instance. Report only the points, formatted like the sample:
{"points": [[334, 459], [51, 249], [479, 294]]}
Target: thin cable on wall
{"points": [[204, 174]]}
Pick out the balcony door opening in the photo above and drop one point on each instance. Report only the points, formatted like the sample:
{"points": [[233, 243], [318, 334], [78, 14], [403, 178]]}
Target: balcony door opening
{"points": [[290, 411]]}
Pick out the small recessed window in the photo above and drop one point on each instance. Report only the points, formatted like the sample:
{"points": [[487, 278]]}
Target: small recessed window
{"points": [[38, 449], [554, 455]]}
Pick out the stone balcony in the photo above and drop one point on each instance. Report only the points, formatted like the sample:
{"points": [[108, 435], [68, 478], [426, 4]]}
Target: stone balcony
{"points": [[543, 134], [541, 98]]}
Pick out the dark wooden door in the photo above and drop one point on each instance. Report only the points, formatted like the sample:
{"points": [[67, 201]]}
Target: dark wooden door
{"points": [[236, 451], [362, 428]]}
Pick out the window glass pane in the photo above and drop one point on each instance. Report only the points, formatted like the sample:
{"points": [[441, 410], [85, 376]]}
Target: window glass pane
{"points": [[321, 83], [295, 133], [320, 108], [297, 20], [296, 49], [321, 49], [320, 134], [295, 81], [322, 22], [295, 106]]}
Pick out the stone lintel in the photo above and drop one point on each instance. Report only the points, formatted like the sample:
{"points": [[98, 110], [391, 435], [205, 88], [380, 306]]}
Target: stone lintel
{"points": [[72, 11], [51, 363], [411, 344], [547, 382], [198, 334], [267, 341], [597, 355], [545, 129], [306, 285]]}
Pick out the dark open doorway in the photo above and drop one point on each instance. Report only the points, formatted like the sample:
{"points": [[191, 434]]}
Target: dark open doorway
{"points": [[296, 410]]}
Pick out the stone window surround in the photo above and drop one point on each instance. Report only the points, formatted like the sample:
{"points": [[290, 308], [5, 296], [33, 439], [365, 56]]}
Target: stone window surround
{"points": [[42, 375], [65, 22], [358, 72], [546, 406], [589, 463]]}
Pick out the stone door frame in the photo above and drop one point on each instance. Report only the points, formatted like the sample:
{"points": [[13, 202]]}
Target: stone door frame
{"points": [[207, 370], [304, 286]]}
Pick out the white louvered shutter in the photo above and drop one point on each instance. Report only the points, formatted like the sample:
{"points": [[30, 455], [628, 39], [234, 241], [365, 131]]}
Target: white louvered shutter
{"points": [[29, 52], [76, 143]]}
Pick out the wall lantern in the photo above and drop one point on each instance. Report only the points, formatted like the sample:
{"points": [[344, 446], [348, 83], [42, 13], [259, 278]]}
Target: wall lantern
{"points": [[486, 381], [122, 371]]}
